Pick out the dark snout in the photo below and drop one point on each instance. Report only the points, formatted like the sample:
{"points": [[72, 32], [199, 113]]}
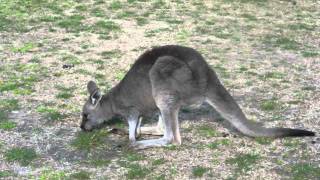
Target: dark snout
{"points": [[84, 121]]}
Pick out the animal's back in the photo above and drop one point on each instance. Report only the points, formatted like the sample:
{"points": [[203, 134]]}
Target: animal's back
{"points": [[136, 86]]}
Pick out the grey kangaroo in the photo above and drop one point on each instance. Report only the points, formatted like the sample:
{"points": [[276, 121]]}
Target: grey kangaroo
{"points": [[162, 80]]}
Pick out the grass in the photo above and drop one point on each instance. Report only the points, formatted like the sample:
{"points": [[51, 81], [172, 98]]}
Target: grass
{"points": [[65, 92], [89, 140], [81, 175], [158, 162], [6, 173], [50, 113], [207, 131], [270, 105], [51, 174], [136, 171], [22, 155], [218, 143], [244, 162], [27, 47], [305, 171], [199, 171], [100, 162], [263, 140], [7, 125]]}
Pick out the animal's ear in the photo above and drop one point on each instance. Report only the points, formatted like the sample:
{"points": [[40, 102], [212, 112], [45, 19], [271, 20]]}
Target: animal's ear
{"points": [[95, 97], [94, 91], [92, 87]]}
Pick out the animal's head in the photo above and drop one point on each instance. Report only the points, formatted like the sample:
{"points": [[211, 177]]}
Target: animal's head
{"points": [[96, 110]]}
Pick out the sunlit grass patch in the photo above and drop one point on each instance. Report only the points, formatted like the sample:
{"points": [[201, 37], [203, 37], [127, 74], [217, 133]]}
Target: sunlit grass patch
{"points": [[24, 48], [81, 175], [305, 171], [65, 92], [136, 171], [89, 140], [218, 143], [270, 105], [52, 174], [50, 113], [199, 171], [22, 155], [72, 23], [7, 125], [6, 173], [206, 131], [244, 162]]}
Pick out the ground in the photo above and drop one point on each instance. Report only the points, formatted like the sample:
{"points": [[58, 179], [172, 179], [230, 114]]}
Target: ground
{"points": [[266, 53]]}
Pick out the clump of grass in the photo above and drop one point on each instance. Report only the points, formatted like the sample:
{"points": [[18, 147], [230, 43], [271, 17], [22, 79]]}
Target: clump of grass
{"points": [[269, 105], [263, 140], [22, 155], [136, 171], [7, 125], [50, 113], [5, 173], [65, 92], [244, 162], [218, 143], [199, 171], [52, 174], [158, 162], [72, 23], [207, 131], [132, 156], [24, 48], [305, 171], [310, 54], [111, 54], [71, 59], [100, 162], [281, 42], [115, 5], [89, 140], [9, 105], [81, 175]]}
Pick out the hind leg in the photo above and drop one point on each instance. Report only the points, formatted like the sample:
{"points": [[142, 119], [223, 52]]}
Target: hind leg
{"points": [[153, 130], [169, 116]]}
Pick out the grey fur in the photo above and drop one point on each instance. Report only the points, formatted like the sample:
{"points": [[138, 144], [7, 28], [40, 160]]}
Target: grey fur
{"points": [[164, 79]]}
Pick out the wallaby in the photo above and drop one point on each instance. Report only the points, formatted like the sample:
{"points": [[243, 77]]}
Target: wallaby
{"points": [[162, 80]]}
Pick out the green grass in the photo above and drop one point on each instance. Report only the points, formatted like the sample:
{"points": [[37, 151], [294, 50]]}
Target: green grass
{"points": [[22, 155], [51, 175], [218, 143], [305, 171], [89, 140], [9, 105], [81, 175], [158, 162], [270, 105], [72, 23], [24, 48], [100, 162], [132, 156], [136, 171], [282, 42], [199, 171], [50, 113], [111, 54], [263, 140], [207, 131], [7, 125], [244, 162], [65, 92], [5, 173]]}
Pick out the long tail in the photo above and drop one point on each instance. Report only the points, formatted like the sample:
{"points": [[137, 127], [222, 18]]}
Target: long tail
{"points": [[222, 101]]}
